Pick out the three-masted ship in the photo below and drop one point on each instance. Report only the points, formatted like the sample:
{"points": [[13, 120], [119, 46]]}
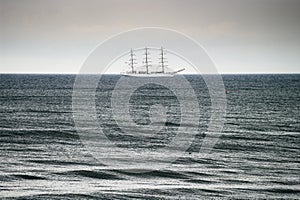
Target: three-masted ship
{"points": [[149, 70]]}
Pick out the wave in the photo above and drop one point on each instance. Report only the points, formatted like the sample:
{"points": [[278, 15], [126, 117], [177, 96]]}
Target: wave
{"points": [[29, 177], [92, 174], [59, 162]]}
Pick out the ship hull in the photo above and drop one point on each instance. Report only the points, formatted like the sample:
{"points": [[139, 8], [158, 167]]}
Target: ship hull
{"points": [[148, 75]]}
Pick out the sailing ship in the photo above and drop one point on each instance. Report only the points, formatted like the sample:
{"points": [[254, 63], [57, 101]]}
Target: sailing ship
{"points": [[149, 70]]}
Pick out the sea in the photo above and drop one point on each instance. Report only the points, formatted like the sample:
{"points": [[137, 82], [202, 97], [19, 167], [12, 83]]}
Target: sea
{"points": [[44, 156]]}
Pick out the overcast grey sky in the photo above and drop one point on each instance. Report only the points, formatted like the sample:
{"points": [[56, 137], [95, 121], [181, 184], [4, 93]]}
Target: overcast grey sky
{"points": [[241, 36]]}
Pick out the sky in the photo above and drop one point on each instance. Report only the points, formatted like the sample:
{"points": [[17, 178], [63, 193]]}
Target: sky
{"points": [[240, 36]]}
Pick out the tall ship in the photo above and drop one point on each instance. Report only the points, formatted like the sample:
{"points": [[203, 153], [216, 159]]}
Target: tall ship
{"points": [[148, 69]]}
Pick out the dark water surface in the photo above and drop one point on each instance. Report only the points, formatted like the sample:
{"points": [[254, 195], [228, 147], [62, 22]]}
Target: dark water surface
{"points": [[257, 155]]}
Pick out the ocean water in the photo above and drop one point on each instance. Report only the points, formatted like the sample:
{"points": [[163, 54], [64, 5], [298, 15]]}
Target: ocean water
{"points": [[42, 155]]}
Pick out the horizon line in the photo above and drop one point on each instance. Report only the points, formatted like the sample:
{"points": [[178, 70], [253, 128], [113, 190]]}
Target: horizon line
{"points": [[72, 73]]}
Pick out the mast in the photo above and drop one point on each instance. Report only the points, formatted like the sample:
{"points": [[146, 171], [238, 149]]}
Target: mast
{"points": [[131, 61], [162, 60], [146, 60], [147, 67]]}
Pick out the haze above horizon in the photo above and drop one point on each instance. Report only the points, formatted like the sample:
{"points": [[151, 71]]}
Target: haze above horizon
{"points": [[240, 36]]}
